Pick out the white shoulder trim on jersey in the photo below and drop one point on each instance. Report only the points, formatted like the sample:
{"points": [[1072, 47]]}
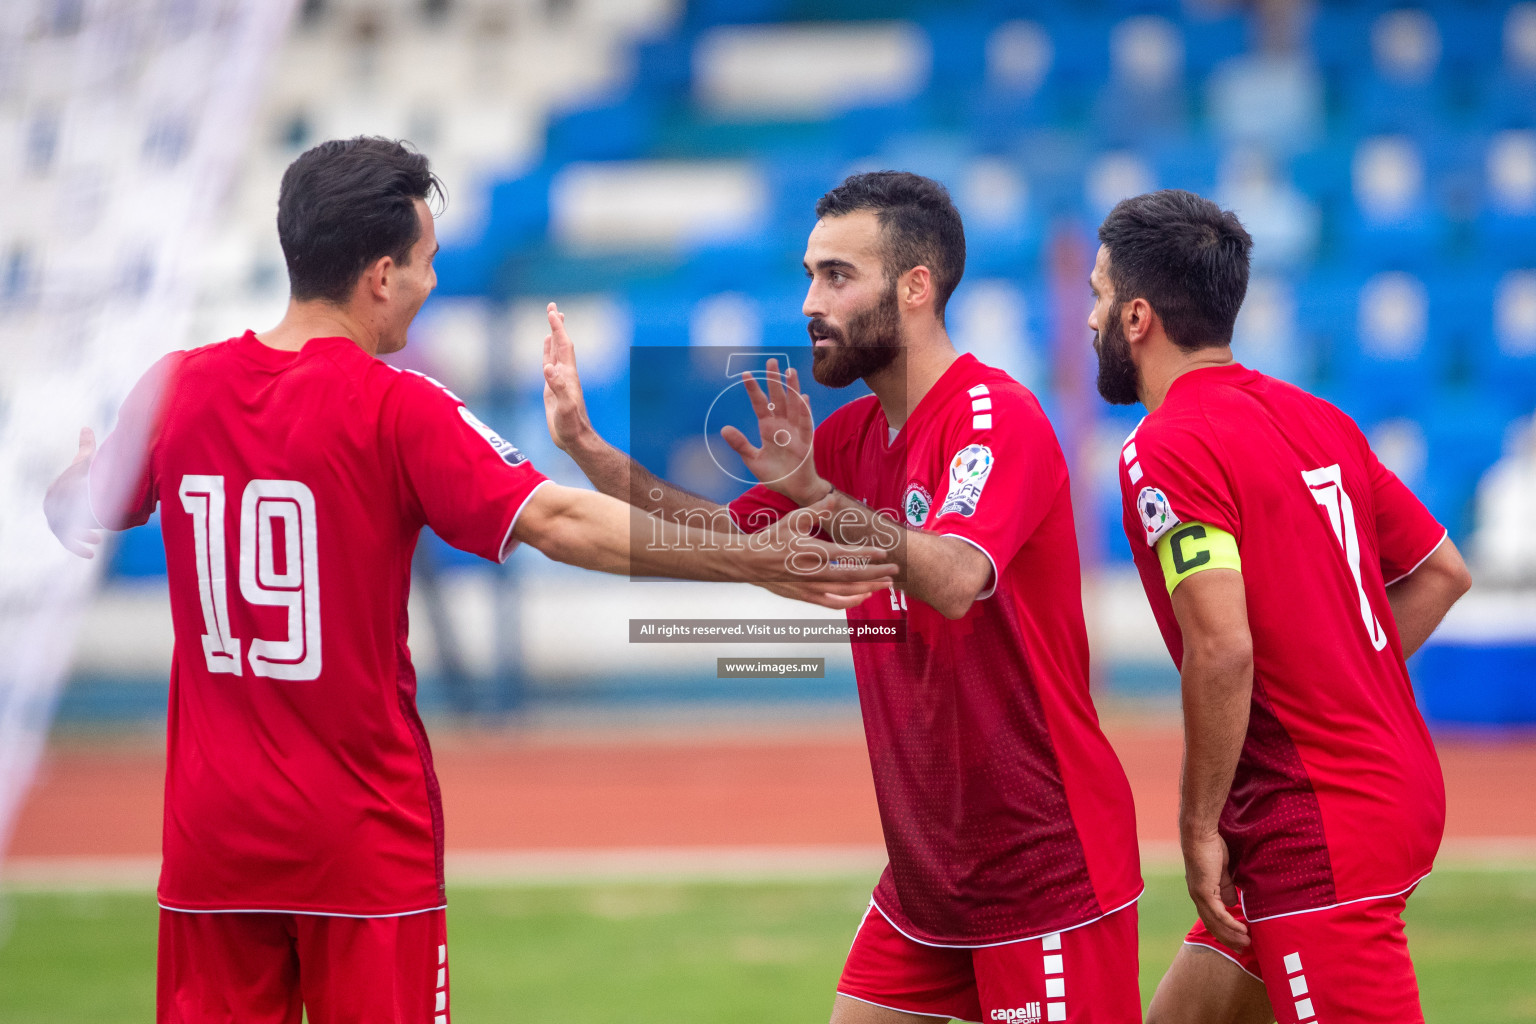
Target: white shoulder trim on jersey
{"points": [[433, 380], [901, 1009], [1229, 956], [1443, 538], [302, 913], [508, 545], [1009, 942], [1331, 906], [993, 588]]}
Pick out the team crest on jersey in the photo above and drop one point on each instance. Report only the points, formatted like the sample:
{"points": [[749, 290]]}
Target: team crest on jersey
{"points": [[1157, 516], [968, 472], [916, 504], [506, 449]]}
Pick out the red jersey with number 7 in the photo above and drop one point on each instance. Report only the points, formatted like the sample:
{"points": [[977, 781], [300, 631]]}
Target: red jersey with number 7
{"points": [[1338, 794], [292, 488]]}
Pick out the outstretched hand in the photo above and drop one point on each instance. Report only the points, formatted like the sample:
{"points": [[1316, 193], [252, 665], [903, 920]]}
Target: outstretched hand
{"points": [[785, 461], [67, 504], [565, 407]]}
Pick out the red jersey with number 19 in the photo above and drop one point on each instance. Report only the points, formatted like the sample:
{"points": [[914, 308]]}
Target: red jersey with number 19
{"points": [[292, 488], [1006, 813], [1338, 794]]}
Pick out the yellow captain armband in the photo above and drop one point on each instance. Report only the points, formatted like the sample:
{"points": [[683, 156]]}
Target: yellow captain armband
{"points": [[1195, 547]]}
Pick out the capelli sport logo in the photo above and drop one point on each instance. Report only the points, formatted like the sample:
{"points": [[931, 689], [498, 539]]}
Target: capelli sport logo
{"points": [[1029, 1013]]}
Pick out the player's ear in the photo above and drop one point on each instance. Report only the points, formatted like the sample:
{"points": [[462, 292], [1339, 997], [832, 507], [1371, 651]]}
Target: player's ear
{"points": [[1137, 319], [379, 277], [915, 286]]}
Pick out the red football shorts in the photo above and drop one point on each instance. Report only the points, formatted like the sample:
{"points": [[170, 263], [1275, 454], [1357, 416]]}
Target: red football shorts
{"points": [[270, 968], [1089, 971], [1344, 965]]}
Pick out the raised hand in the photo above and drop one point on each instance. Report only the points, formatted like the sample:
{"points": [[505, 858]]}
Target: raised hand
{"points": [[565, 408], [67, 504], [785, 462]]}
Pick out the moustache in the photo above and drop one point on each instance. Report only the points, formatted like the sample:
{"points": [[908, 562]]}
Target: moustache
{"points": [[819, 328]]}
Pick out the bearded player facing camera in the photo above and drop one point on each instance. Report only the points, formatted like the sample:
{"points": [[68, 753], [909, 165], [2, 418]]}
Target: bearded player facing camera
{"points": [[1013, 876], [1291, 573]]}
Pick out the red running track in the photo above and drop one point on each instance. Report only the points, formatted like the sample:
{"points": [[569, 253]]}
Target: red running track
{"points": [[537, 791]]}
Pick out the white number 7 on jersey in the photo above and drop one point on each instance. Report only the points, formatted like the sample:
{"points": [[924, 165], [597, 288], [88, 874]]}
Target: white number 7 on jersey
{"points": [[266, 506], [1327, 487]]}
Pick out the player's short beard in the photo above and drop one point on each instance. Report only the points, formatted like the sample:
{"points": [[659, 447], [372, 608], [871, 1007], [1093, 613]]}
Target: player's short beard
{"points": [[1117, 373], [869, 343]]}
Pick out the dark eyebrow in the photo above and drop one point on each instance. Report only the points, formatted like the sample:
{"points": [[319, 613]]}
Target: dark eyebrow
{"points": [[831, 264]]}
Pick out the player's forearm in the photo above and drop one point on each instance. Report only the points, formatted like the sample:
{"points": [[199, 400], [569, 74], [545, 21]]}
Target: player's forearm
{"points": [[944, 573], [599, 532], [1216, 681], [1421, 599], [618, 475]]}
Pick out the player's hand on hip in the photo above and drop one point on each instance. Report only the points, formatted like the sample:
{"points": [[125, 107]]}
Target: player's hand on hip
{"points": [[785, 462], [67, 504], [1209, 879], [565, 407]]}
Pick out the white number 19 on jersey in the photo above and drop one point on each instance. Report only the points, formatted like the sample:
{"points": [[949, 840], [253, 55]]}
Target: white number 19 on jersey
{"points": [[1327, 487], [267, 507]]}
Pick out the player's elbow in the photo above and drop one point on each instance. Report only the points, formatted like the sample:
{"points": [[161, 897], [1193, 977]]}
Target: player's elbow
{"points": [[548, 524], [1227, 655], [954, 606], [964, 591], [1456, 580]]}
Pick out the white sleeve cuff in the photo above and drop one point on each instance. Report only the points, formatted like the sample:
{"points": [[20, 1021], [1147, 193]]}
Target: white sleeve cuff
{"points": [[508, 545], [990, 561]]}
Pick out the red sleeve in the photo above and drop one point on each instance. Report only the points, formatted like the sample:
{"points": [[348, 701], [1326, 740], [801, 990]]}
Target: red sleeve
{"points": [[468, 483], [759, 508], [1005, 469], [121, 484], [1172, 473], [1406, 532]]}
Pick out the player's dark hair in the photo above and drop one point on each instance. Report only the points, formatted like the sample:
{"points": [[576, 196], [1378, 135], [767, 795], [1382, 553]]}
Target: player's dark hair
{"points": [[919, 225], [345, 204], [1186, 256]]}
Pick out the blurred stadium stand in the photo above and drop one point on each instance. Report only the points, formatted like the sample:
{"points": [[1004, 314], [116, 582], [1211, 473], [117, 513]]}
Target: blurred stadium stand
{"points": [[653, 165]]}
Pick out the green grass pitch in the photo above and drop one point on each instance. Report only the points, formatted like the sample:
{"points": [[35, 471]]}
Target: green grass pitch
{"points": [[664, 952]]}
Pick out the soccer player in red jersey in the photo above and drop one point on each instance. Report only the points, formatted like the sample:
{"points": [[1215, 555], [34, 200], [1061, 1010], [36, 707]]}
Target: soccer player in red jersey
{"points": [[1290, 573], [1013, 876], [303, 836]]}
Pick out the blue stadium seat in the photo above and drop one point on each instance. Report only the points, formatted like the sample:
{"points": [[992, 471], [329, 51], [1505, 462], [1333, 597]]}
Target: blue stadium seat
{"points": [[1465, 436], [618, 128], [1501, 310], [138, 554], [704, 13]]}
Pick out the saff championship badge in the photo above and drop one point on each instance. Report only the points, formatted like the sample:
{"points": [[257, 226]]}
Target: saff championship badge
{"points": [[968, 472], [1157, 516]]}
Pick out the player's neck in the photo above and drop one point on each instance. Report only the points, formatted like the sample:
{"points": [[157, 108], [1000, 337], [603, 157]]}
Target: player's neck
{"points": [[315, 319], [1172, 363], [911, 375]]}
